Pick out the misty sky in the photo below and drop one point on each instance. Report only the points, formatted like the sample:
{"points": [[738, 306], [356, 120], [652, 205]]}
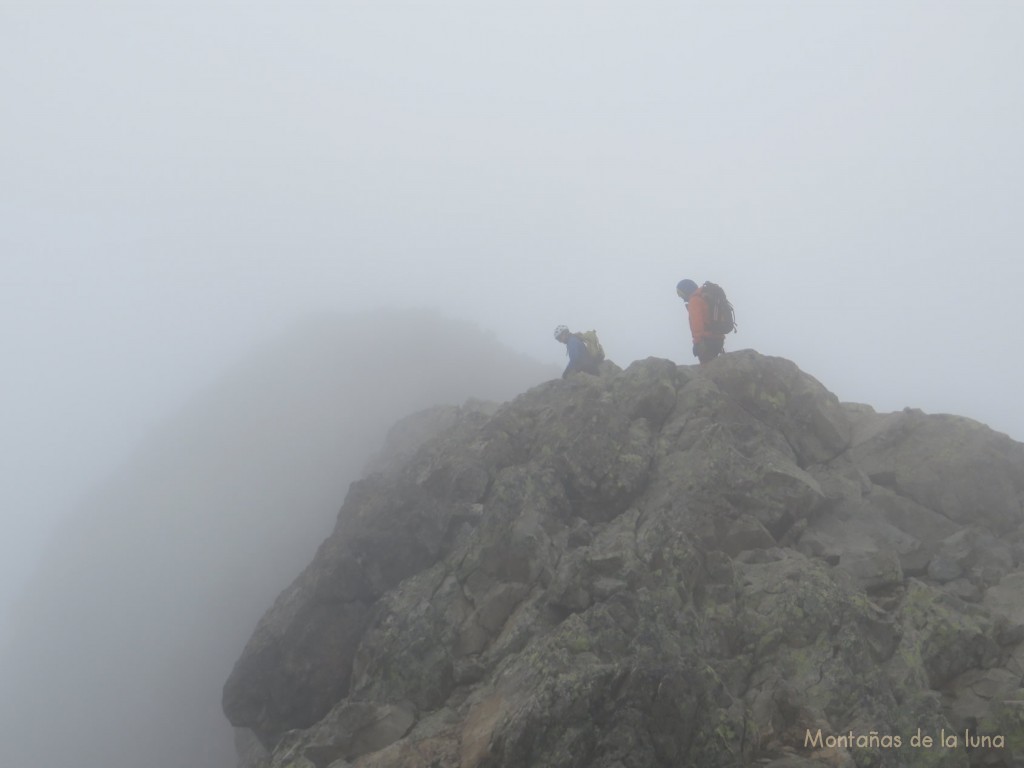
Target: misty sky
{"points": [[180, 181]]}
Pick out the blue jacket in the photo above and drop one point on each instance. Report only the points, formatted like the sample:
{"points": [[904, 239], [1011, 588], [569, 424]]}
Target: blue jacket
{"points": [[578, 354], [579, 357]]}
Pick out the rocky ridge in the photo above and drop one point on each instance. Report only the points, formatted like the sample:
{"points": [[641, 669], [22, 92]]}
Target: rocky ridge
{"points": [[660, 566]]}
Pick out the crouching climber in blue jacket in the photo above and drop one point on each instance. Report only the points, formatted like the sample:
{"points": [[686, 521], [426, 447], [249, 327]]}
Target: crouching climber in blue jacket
{"points": [[581, 359]]}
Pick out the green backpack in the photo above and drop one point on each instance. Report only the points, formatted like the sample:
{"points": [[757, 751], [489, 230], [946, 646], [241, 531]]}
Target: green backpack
{"points": [[594, 348]]}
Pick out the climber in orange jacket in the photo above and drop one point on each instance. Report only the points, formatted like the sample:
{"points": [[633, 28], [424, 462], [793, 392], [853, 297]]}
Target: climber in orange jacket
{"points": [[706, 344]]}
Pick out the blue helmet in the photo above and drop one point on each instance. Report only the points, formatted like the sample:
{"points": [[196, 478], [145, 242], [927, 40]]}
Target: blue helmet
{"points": [[685, 288]]}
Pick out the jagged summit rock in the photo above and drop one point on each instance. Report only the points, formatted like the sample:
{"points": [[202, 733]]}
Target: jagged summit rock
{"points": [[659, 566]]}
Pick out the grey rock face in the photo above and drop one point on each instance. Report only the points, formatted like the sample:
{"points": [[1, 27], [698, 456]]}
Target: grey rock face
{"points": [[659, 566], [951, 465]]}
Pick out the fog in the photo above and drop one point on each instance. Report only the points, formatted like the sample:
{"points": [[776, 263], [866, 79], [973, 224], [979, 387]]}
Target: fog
{"points": [[184, 185], [122, 640]]}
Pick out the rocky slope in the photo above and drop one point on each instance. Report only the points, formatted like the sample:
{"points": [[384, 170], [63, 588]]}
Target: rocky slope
{"points": [[662, 566]]}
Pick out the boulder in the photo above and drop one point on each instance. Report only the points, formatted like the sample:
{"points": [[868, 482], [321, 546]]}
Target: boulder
{"points": [[957, 467]]}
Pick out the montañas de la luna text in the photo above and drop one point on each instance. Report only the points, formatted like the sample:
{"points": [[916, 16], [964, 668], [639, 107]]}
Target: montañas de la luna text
{"points": [[877, 740]]}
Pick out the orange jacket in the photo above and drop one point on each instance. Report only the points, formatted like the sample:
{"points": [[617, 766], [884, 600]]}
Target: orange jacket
{"points": [[700, 312]]}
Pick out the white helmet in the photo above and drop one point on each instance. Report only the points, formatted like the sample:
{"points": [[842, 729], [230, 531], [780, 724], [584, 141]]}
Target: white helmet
{"points": [[560, 330]]}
